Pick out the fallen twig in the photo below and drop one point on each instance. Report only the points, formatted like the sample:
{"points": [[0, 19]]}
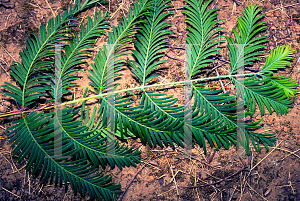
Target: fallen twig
{"points": [[266, 156], [232, 193], [151, 164], [11, 192], [7, 161], [51, 9], [256, 192], [17, 170], [172, 175], [121, 5], [242, 169], [35, 5], [78, 27], [204, 163], [291, 153], [8, 53], [7, 20]]}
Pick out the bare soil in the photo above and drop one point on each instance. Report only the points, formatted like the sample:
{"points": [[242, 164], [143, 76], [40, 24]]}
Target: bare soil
{"points": [[275, 174]]}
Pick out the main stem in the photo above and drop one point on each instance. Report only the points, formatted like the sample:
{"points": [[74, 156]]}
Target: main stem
{"points": [[131, 89]]}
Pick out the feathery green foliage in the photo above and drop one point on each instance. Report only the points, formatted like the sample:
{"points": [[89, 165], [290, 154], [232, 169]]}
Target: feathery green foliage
{"points": [[69, 145], [258, 89]]}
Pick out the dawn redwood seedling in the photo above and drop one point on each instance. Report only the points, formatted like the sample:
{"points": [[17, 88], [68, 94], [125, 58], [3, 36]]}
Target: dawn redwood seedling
{"points": [[85, 140]]}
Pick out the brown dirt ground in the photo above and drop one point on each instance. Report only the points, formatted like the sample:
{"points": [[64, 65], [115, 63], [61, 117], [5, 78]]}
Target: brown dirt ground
{"points": [[276, 176]]}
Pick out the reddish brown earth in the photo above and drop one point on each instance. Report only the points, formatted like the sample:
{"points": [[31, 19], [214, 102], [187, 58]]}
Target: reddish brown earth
{"points": [[276, 173]]}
